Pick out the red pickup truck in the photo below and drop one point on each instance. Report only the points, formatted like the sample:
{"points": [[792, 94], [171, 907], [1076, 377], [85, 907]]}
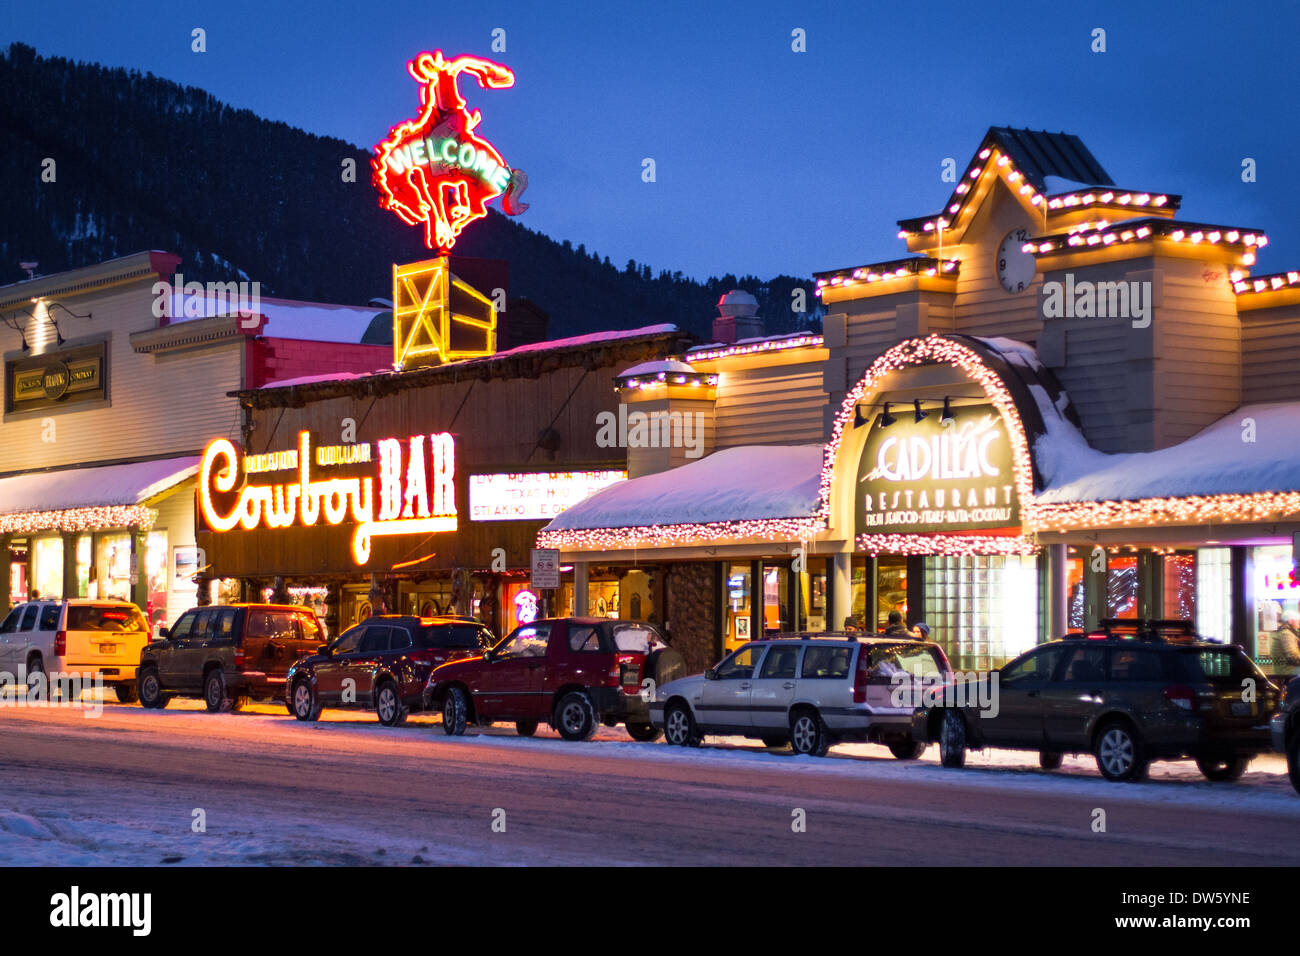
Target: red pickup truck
{"points": [[574, 673]]}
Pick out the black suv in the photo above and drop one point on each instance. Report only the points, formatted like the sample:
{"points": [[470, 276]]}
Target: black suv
{"points": [[226, 654], [1132, 692], [383, 663]]}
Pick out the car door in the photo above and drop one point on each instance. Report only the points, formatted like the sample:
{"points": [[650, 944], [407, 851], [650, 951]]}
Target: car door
{"points": [[165, 654], [724, 696], [773, 688], [331, 670], [1075, 696], [9, 630], [190, 652], [23, 640], [360, 665], [510, 686], [1017, 718]]}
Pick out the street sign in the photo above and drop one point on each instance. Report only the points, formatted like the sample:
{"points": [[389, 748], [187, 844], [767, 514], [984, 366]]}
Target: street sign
{"points": [[545, 568]]}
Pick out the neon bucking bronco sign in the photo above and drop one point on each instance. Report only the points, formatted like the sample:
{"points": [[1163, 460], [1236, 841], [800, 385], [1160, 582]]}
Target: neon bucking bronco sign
{"points": [[436, 170]]}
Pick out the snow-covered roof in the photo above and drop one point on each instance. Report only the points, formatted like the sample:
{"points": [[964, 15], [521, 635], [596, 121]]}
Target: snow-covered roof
{"points": [[94, 487], [751, 482], [667, 366], [287, 318], [1255, 449]]}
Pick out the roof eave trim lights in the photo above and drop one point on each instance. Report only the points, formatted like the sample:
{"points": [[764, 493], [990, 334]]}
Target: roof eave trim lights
{"points": [[1147, 512], [754, 348], [947, 545], [618, 539], [1248, 285], [1093, 235], [97, 518], [896, 269]]}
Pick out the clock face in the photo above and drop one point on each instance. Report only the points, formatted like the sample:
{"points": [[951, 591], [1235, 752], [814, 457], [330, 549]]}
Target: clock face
{"points": [[1015, 267]]}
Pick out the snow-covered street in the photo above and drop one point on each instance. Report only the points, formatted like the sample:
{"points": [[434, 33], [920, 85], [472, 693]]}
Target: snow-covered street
{"points": [[127, 787]]}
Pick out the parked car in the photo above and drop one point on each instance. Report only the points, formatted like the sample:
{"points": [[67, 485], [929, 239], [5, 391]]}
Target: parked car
{"points": [[1130, 693], [384, 662], [1285, 730], [79, 635], [227, 654], [575, 673], [806, 691]]}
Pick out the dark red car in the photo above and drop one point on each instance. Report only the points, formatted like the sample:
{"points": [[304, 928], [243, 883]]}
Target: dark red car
{"points": [[574, 673], [384, 662]]}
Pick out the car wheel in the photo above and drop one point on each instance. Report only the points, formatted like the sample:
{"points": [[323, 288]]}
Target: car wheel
{"points": [[952, 739], [645, 733], [455, 712], [575, 718], [1221, 768], [526, 728], [808, 734], [680, 729], [36, 674], [1119, 753], [906, 748], [388, 705], [126, 693], [776, 743], [149, 690], [1050, 759], [303, 702]]}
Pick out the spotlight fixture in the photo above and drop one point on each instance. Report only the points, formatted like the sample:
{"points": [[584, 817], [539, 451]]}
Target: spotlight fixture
{"points": [[59, 305], [916, 407], [57, 334], [947, 414], [858, 418], [886, 419]]}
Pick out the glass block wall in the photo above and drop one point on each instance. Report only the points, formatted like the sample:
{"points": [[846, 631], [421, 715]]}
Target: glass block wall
{"points": [[984, 610]]}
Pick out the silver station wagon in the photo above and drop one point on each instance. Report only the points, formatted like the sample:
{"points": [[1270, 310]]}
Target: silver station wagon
{"points": [[807, 692]]}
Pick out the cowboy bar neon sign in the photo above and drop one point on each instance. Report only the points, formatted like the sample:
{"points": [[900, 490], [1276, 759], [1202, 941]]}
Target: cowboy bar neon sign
{"points": [[412, 499], [436, 170]]}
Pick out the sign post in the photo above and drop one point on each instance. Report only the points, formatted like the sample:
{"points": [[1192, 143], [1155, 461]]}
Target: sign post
{"points": [[544, 568]]}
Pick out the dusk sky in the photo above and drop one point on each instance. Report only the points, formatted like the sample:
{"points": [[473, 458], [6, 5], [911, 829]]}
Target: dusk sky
{"points": [[768, 161]]}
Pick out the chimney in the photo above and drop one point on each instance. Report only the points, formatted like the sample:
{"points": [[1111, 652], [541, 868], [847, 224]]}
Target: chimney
{"points": [[737, 318]]}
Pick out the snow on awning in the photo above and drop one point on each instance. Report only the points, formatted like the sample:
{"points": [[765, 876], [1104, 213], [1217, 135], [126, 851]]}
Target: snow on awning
{"points": [[83, 499], [753, 491]]}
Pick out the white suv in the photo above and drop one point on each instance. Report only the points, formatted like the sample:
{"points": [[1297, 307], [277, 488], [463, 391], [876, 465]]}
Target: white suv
{"points": [[805, 691], [80, 635]]}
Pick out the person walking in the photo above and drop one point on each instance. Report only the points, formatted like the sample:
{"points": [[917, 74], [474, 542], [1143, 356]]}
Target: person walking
{"points": [[1286, 646]]}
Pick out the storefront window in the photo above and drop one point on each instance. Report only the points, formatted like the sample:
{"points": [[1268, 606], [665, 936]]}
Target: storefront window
{"points": [[156, 564], [1076, 602], [776, 591], [1214, 593], [739, 591], [1180, 586], [17, 573], [1122, 585], [47, 570], [891, 590], [113, 567], [859, 590], [812, 599], [1276, 598], [983, 610]]}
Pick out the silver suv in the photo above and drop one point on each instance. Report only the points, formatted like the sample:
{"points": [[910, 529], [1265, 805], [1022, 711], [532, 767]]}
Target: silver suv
{"points": [[805, 691]]}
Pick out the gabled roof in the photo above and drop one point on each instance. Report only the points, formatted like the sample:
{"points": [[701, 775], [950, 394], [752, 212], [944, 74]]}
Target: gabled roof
{"points": [[1038, 154]]}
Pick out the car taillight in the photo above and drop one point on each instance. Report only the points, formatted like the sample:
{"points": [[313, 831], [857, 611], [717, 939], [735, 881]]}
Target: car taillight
{"points": [[1181, 697], [239, 657], [60, 643], [860, 677]]}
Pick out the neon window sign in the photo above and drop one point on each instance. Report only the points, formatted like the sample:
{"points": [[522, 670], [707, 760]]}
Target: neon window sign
{"points": [[435, 170], [416, 492]]}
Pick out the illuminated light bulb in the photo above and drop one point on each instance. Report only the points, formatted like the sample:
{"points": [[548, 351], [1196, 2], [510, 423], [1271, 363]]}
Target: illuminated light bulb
{"points": [[902, 234], [929, 227], [1037, 199], [1026, 189], [984, 154], [1013, 177], [954, 207], [1093, 240], [1260, 285], [1214, 236], [1076, 240], [1126, 235], [1293, 277], [1027, 247], [1143, 232], [1177, 234], [1090, 198], [1248, 258], [1054, 204], [974, 174], [1233, 236], [1248, 239], [872, 277], [1196, 236], [1109, 238], [1235, 275], [1125, 199], [950, 266], [930, 272], [1107, 197], [962, 189], [1003, 160], [857, 273], [1241, 286], [1045, 247], [1262, 241], [943, 223]]}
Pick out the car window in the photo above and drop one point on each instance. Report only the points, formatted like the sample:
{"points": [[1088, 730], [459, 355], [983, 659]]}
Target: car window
{"points": [[12, 620], [199, 632], [50, 618], [184, 624], [1219, 666], [114, 618], [527, 641], [348, 641], [584, 638], [740, 665], [1135, 663], [375, 640], [1037, 664], [399, 638], [914, 659], [310, 628], [780, 662], [1085, 664], [221, 626], [825, 663], [636, 638], [29, 617]]}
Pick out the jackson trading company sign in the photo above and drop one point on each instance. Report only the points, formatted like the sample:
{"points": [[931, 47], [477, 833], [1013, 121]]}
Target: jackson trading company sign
{"points": [[927, 476], [436, 170], [411, 489]]}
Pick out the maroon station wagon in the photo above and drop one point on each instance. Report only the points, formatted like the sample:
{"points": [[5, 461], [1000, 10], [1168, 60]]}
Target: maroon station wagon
{"points": [[573, 673]]}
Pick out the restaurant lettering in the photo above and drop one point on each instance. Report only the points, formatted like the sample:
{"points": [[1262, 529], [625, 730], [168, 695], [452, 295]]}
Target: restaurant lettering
{"points": [[935, 476], [416, 490]]}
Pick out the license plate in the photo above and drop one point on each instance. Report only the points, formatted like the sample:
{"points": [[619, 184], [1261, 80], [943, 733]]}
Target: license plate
{"points": [[107, 648], [1241, 708]]}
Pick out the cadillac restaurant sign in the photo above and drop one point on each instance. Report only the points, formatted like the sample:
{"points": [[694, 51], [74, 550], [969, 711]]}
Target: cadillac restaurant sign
{"points": [[932, 476]]}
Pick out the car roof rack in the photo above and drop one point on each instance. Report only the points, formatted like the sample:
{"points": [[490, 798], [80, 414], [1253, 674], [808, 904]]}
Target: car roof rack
{"points": [[1150, 630], [809, 636]]}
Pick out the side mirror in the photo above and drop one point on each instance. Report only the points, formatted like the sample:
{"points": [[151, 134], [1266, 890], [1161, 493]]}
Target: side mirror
{"points": [[323, 650], [489, 656], [164, 633], [711, 674]]}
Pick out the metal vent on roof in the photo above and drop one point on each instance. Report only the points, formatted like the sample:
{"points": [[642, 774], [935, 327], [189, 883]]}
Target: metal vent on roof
{"points": [[1038, 154]]}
